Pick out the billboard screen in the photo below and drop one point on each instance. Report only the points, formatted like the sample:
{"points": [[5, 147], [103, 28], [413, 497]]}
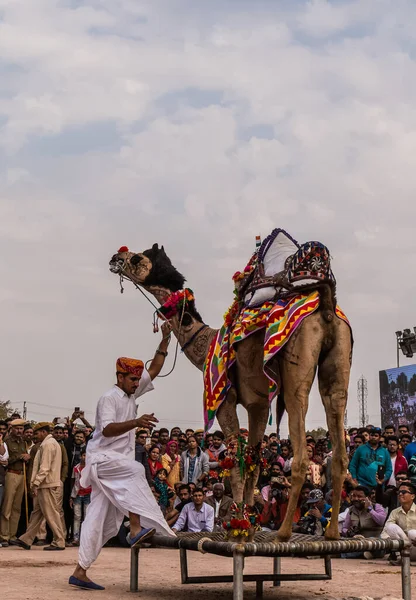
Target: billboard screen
{"points": [[398, 396]]}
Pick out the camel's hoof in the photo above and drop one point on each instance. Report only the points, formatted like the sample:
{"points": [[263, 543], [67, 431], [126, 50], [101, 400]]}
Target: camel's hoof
{"points": [[282, 537], [332, 536]]}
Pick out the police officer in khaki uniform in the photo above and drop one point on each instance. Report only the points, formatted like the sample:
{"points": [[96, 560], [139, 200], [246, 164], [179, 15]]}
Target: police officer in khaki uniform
{"points": [[15, 484], [45, 485]]}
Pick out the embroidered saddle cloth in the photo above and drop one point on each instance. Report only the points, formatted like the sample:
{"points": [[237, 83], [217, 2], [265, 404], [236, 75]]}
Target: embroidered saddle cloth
{"points": [[282, 267]]}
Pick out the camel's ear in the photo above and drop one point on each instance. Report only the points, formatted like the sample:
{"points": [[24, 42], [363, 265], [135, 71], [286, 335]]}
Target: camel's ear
{"points": [[155, 247]]}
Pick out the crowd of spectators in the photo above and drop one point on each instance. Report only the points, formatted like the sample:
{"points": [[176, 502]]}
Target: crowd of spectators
{"points": [[185, 472]]}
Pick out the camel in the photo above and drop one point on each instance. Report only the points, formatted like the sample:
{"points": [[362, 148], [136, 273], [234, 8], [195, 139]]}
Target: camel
{"points": [[322, 343]]}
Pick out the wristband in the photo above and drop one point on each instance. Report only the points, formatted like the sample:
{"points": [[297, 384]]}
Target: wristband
{"points": [[162, 353]]}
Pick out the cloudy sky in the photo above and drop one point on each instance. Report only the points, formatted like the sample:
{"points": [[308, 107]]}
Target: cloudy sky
{"points": [[197, 125]]}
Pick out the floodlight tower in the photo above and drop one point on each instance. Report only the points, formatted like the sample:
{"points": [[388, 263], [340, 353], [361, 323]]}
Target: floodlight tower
{"points": [[362, 394]]}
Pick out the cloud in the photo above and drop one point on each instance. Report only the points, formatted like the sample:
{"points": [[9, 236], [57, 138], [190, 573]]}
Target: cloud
{"points": [[134, 122]]}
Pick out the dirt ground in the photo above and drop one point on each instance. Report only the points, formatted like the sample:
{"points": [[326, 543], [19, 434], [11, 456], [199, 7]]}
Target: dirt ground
{"points": [[38, 575]]}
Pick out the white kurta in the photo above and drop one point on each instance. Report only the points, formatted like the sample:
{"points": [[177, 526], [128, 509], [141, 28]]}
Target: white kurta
{"points": [[118, 482]]}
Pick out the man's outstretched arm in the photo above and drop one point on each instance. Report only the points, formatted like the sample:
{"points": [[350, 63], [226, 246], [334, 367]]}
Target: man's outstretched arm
{"points": [[116, 429], [162, 351]]}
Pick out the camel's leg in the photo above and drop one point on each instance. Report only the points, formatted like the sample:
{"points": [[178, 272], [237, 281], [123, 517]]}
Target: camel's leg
{"points": [[333, 376], [257, 422], [228, 420], [298, 365]]}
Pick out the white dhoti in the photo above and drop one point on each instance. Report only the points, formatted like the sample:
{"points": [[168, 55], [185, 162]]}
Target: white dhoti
{"points": [[119, 486], [395, 532]]}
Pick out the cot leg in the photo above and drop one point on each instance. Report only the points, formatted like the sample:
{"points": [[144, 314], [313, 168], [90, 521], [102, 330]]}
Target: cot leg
{"points": [[259, 589], [238, 568], [134, 569], [184, 565], [406, 582], [328, 566], [277, 569]]}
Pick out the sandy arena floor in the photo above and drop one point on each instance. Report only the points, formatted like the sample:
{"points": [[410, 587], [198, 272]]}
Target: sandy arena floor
{"points": [[38, 575]]}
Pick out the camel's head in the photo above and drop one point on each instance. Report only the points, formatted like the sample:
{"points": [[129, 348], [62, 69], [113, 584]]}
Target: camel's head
{"points": [[151, 267]]}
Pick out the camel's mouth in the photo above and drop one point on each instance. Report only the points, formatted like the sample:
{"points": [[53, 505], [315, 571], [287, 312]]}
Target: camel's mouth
{"points": [[116, 264]]}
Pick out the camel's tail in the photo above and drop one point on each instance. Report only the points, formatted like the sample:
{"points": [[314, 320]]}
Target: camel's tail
{"points": [[328, 301]]}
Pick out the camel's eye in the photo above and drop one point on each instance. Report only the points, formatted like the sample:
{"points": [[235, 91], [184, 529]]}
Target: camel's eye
{"points": [[136, 259]]}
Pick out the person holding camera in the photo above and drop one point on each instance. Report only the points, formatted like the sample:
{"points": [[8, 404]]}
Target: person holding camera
{"points": [[275, 496], [317, 517]]}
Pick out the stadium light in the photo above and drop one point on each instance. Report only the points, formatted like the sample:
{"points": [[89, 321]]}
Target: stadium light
{"points": [[406, 342]]}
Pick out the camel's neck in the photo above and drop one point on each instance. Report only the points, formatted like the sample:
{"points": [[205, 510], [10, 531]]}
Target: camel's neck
{"points": [[194, 337]]}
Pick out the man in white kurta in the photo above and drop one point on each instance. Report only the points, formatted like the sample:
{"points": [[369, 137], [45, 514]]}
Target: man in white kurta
{"points": [[119, 485]]}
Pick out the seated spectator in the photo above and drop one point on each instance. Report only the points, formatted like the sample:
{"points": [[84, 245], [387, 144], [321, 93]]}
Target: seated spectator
{"points": [[318, 516], [314, 473], [213, 452], [196, 516], [364, 517], [401, 524], [398, 461], [275, 497], [276, 477], [303, 498], [367, 459], [166, 493], [388, 497], [154, 461], [221, 505], [171, 462]]}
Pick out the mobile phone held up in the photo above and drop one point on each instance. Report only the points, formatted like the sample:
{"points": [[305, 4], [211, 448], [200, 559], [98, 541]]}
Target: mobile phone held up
{"points": [[76, 409], [381, 471]]}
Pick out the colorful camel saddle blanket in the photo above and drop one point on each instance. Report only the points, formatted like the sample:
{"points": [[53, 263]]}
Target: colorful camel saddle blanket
{"points": [[279, 319]]}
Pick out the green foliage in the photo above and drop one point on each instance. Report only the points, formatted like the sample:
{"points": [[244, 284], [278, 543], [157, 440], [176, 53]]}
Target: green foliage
{"points": [[317, 433]]}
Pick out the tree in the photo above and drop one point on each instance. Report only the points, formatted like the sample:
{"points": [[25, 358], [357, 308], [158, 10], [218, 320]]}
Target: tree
{"points": [[5, 409], [412, 386], [317, 433], [402, 382]]}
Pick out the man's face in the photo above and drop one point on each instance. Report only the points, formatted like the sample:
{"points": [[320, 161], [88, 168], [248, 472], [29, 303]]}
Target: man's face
{"points": [[175, 431], [3, 430], [389, 431], [58, 434], [184, 495], [79, 439], [285, 452], [216, 442], [66, 434], [305, 494], [218, 491], [192, 443], [358, 442], [189, 432], [405, 495], [28, 435], [88, 431], [366, 436], [403, 429], [17, 430], [401, 478], [276, 471], [358, 499], [404, 442], [182, 445], [198, 497], [163, 437], [392, 446], [374, 438], [141, 439], [128, 382], [199, 437], [273, 448]]}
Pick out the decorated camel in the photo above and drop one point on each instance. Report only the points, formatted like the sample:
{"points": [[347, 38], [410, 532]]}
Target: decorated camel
{"points": [[283, 327]]}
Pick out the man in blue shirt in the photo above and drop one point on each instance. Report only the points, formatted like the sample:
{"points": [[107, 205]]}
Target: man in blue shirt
{"points": [[368, 458], [196, 516]]}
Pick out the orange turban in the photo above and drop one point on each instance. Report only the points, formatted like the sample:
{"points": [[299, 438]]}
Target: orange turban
{"points": [[129, 365]]}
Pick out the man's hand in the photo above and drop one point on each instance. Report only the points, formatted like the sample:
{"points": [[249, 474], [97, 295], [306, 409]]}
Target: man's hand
{"points": [[25, 457], [34, 491], [71, 503], [379, 481], [315, 512], [146, 421], [367, 503], [166, 333]]}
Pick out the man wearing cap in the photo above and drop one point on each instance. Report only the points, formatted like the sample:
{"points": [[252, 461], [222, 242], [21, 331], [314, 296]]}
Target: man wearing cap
{"points": [[317, 518], [118, 481], [14, 485], [45, 486], [369, 460]]}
